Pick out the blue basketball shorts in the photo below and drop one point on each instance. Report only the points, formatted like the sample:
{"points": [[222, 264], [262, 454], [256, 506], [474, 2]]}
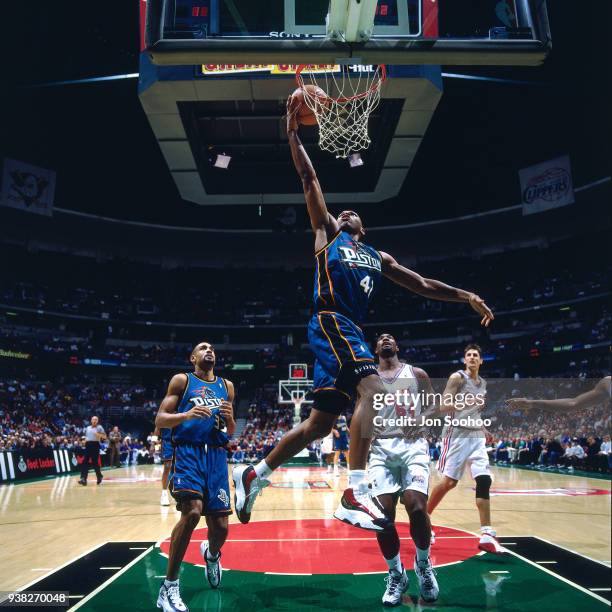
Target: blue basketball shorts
{"points": [[200, 472], [342, 359], [341, 443], [167, 450]]}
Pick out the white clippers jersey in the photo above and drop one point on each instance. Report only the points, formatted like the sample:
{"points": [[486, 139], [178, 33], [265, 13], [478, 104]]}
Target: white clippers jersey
{"points": [[477, 389], [409, 405]]}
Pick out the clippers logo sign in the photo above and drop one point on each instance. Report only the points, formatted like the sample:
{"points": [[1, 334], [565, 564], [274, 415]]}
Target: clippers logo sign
{"points": [[27, 187], [205, 398], [547, 185], [358, 258]]}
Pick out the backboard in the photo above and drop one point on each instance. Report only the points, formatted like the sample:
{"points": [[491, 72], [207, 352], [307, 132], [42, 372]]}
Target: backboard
{"points": [[496, 32], [295, 389], [291, 391]]}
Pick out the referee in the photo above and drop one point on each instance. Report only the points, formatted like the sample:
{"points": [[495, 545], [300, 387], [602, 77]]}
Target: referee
{"points": [[93, 434]]}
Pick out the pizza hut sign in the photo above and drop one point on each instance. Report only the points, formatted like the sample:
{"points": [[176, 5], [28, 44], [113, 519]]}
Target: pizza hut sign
{"points": [[547, 185]]}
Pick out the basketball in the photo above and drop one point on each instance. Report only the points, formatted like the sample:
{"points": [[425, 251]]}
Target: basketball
{"points": [[305, 115]]}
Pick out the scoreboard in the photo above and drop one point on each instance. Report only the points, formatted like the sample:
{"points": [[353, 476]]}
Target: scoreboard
{"points": [[251, 18]]}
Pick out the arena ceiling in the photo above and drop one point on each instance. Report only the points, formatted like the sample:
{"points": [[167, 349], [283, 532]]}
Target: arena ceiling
{"points": [[98, 139]]}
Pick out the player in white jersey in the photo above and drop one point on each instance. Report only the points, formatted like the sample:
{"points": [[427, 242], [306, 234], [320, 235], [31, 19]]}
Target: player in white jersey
{"points": [[399, 469], [464, 445]]}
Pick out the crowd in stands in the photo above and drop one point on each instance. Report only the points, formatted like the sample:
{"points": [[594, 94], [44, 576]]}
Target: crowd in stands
{"points": [[121, 291], [565, 451], [566, 439], [266, 423], [50, 415], [591, 329]]}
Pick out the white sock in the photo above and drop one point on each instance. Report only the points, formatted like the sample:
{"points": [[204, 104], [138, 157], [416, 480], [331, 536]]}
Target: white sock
{"points": [[263, 470], [488, 530], [356, 477], [422, 554], [169, 583], [395, 564]]}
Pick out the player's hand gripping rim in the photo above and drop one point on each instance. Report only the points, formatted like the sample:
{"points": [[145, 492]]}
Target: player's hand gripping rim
{"points": [[478, 304]]}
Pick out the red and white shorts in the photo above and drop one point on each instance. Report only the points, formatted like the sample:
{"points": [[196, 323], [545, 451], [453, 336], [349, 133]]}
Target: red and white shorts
{"points": [[462, 448]]}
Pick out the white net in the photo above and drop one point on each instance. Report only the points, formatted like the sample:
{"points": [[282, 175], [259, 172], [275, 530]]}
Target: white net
{"points": [[353, 92]]}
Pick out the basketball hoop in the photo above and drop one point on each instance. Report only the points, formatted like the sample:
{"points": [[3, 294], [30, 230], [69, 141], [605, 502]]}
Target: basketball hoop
{"points": [[353, 92]]}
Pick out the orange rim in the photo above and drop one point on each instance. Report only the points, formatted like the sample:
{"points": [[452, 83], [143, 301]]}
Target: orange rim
{"points": [[376, 85]]}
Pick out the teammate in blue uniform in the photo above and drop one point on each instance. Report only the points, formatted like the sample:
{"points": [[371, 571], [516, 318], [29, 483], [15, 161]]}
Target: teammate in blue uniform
{"points": [[198, 410], [347, 275], [341, 442]]}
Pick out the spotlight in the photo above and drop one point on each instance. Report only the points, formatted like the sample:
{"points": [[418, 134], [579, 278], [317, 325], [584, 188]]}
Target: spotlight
{"points": [[222, 161], [355, 160]]}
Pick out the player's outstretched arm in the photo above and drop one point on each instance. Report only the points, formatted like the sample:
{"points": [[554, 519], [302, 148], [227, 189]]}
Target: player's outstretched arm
{"points": [[597, 395], [167, 417], [323, 224], [433, 289]]}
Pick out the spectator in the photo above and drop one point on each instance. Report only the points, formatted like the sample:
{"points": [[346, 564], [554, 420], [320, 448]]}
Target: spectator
{"points": [[114, 441]]}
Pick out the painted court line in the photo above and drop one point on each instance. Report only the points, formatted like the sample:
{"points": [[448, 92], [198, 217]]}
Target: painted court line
{"points": [[27, 586], [285, 573], [576, 586], [333, 539], [547, 562], [604, 563], [111, 579]]}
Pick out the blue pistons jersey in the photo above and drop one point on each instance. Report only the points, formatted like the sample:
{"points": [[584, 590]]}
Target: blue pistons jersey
{"points": [[211, 430], [347, 274]]}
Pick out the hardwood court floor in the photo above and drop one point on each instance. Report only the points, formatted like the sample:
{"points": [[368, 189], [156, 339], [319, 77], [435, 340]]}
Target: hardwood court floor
{"points": [[45, 524]]}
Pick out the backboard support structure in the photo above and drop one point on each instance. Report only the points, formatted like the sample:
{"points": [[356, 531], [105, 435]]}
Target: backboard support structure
{"points": [[409, 32]]}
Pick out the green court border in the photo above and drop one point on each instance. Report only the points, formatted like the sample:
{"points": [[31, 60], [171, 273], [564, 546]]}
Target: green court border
{"points": [[523, 589]]}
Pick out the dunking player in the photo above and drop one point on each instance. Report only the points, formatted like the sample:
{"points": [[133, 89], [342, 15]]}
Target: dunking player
{"points": [[341, 442], [462, 446], [347, 275], [198, 410], [166, 456], [399, 469]]}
